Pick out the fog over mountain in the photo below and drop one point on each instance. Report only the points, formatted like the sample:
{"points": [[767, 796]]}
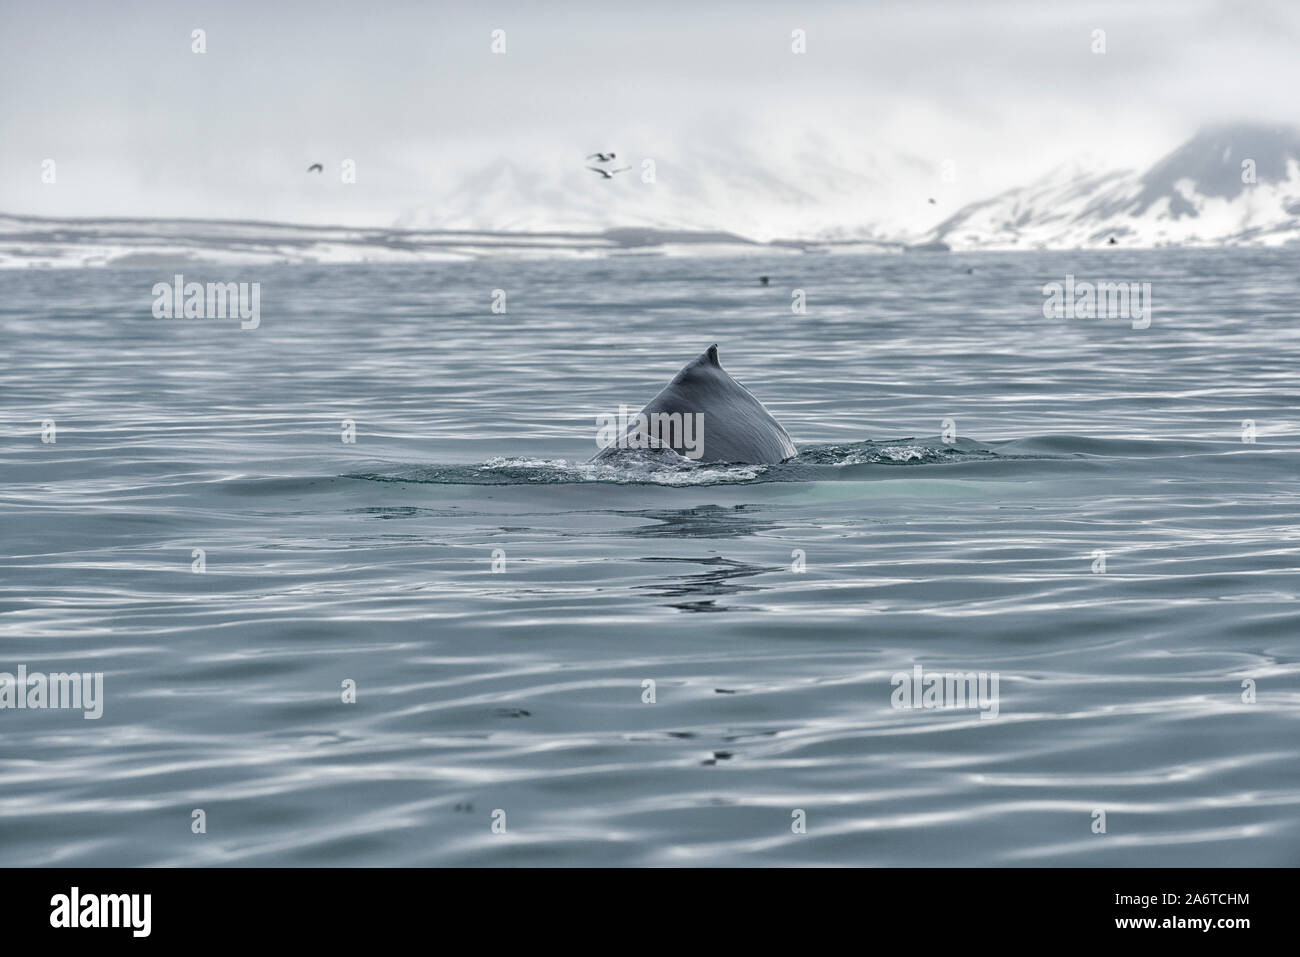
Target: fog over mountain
{"points": [[800, 189]]}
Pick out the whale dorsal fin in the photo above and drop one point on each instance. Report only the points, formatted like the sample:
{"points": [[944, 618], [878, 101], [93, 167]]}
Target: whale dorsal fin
{"points": [[740, 429]]}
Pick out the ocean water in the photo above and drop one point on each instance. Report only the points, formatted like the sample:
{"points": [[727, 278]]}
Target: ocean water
{"points": [[1162, 691]]}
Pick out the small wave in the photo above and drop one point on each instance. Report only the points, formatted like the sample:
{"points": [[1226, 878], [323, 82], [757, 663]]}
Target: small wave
{"points": [[665, 467], [638, 467], [625, 467], [896, 452]]}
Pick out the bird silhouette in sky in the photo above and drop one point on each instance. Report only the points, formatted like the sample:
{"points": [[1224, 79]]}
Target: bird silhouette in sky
{"points": [[608, 173], [602, 157], [315, 168]]}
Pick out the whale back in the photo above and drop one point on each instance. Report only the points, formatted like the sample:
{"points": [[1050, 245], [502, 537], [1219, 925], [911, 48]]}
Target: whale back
{"points": [[736, 426]]}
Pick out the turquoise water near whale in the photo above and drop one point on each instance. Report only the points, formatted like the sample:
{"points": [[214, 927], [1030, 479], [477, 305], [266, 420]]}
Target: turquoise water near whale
{"points": [[523, 690]]}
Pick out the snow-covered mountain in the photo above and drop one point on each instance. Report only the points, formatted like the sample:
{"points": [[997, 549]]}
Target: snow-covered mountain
{"points": [[1228, 185]]}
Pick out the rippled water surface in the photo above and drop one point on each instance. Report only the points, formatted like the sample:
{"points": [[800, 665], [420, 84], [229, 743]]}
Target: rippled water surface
{"points": [[522, 690]]}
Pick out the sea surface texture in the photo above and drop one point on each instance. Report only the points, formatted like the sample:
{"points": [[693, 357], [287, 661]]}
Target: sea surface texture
{"points": [[655, 662]]}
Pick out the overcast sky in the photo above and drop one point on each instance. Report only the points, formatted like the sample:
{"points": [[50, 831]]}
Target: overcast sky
{"points": [[140, 125]]}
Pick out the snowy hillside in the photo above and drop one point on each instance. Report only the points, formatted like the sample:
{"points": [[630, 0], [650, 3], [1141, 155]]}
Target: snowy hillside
{"points": [[1228, 185]]}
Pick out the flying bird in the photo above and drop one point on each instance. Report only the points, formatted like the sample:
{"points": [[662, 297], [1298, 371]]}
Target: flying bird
{"points": [[931, 200], [315, 168], [608, 173], [601, 157]]}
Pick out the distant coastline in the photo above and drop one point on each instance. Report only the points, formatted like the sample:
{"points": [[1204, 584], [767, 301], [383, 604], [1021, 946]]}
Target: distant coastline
{"points": [[40, 242]]}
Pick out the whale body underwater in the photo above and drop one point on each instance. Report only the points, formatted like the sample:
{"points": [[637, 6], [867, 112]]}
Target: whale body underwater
{"points": [[734, 427]]}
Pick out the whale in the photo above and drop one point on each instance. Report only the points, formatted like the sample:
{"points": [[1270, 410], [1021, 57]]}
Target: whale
{"points": [[727, 423]]}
